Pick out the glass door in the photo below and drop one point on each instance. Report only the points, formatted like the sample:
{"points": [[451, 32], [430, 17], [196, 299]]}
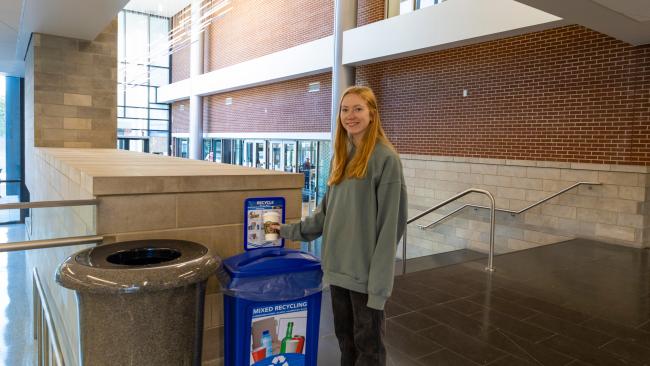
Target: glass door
{"points": [[260, 154], [289, 156], [275, 155]]}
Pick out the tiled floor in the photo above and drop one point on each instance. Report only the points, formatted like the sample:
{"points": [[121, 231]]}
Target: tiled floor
{"points": [[575, 303]]}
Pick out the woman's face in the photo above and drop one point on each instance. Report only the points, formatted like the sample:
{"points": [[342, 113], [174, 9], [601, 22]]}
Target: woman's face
{"points": [[355, 116]]}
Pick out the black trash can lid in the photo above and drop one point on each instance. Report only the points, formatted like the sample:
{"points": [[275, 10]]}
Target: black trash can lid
{"points": [[142, 265], [270, 261]]}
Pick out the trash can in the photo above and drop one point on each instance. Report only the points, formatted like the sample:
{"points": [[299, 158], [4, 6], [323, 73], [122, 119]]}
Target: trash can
{"points": [[272, 300], [140, 302]]}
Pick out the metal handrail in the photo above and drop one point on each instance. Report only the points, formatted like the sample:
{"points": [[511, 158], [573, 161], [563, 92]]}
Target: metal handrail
{"points": [[490, 266], [44, 204], [45, 330], [50, 243], [423, 227]]}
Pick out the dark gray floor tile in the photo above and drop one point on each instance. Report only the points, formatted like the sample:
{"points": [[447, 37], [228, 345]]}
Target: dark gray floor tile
{"points": [[463, 306], [494, 302], [395, 357], [629, 351], [445, 357], [469, 347], [511, 361], [456, 320], [414, 321], [554, 310], [408, 342], [533, 353], [571, 330], [437, 297], [619, 331], [585, 352], [393, 309], [409, 300], [645, 327], [527, 331]]}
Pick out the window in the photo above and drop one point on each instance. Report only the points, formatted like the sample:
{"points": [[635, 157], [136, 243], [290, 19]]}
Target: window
{"points": [[143, 44], [398, 7]]}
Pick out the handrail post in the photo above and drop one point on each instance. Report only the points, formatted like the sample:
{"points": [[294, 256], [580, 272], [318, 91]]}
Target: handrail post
{"points": [[490, 267]]}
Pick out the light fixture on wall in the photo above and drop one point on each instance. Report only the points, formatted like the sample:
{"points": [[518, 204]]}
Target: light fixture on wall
{"points": [[229, 101], [313, 87]]}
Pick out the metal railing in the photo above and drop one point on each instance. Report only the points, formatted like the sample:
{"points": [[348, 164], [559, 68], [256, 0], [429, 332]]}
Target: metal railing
{"points": [[49, 243], [490, 266], [423, 227], [47, 340]]}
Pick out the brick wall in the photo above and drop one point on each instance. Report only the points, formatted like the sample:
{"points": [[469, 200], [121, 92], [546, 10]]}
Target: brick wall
{"points": [[181, 118], [254, 28], [369, 11], [181, 58], [566, 94], [279, 107]]}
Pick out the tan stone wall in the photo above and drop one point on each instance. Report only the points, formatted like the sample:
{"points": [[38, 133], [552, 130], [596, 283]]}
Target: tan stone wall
{"points": [[72, 86], [615, 211]]}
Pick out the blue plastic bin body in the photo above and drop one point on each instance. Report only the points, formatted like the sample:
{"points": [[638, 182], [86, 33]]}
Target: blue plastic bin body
{"points": [[275, 290]]}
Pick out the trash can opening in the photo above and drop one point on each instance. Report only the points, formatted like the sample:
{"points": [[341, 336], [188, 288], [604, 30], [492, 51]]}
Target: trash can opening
{"points": [[143, 256]]}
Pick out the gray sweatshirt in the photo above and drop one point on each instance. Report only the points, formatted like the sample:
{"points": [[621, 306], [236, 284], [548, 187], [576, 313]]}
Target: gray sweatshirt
{"points": [[361, 221]]}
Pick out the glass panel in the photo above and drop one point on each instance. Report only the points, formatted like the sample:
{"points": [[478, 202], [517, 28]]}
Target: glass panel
{"points": [[323, 168], [260, 155], [159, 41], [137, 96], [216, 147], [136, 36], [290, 156], [427, 3], [207, 150], [159, 114], [136, 74], [158, 125], [406, 6], [136, 112], [120, 36], [158, 77], [275, 156], [158, 144], [126, 123], [247, 157]]}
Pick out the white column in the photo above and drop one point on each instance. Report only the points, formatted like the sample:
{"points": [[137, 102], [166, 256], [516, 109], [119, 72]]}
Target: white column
{"points": [[196, 69], [345, 17]]}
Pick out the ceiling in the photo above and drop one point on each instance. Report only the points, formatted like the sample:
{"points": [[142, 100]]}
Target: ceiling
{"points": [[627, 20]]}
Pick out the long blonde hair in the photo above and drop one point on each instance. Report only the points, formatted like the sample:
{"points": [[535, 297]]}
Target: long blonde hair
{"points": [[358, 166]]}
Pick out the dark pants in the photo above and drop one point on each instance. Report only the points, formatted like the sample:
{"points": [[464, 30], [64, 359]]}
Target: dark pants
{"points": [[359, 329]]}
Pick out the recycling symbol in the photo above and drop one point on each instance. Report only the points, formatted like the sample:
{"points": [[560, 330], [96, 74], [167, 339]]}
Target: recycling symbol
{"points": [[280, 361]]}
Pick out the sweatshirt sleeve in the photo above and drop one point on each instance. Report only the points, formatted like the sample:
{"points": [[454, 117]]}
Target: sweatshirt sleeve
{"points": [[391, 221], [310, 228]]}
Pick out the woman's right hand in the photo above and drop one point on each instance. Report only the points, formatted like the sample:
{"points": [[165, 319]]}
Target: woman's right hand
{"points": [[275, 227]]}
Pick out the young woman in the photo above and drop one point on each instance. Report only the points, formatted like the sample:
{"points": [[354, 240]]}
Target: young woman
{"points": [[361, 219]]}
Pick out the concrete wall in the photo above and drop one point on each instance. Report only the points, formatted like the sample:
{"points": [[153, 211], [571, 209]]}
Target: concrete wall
{"points": [[615, 211]]}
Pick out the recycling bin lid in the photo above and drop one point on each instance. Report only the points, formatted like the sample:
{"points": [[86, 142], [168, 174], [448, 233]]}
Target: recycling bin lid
{"points": [[270, 261]]}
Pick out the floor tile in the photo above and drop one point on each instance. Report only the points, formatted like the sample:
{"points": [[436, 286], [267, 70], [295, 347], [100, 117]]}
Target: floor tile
{"points": [[533, 353], [527, 331], [445, 357], [592, 337], [408, 342], [629, 351], [469, 347], [414, 321], [584, 352]]}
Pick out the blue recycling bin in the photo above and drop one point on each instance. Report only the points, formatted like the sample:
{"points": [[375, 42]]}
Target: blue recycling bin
{"points": [[272, 300]]}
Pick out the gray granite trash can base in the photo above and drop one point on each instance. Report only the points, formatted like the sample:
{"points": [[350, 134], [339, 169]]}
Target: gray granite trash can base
{"points": [[149, 312]]}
